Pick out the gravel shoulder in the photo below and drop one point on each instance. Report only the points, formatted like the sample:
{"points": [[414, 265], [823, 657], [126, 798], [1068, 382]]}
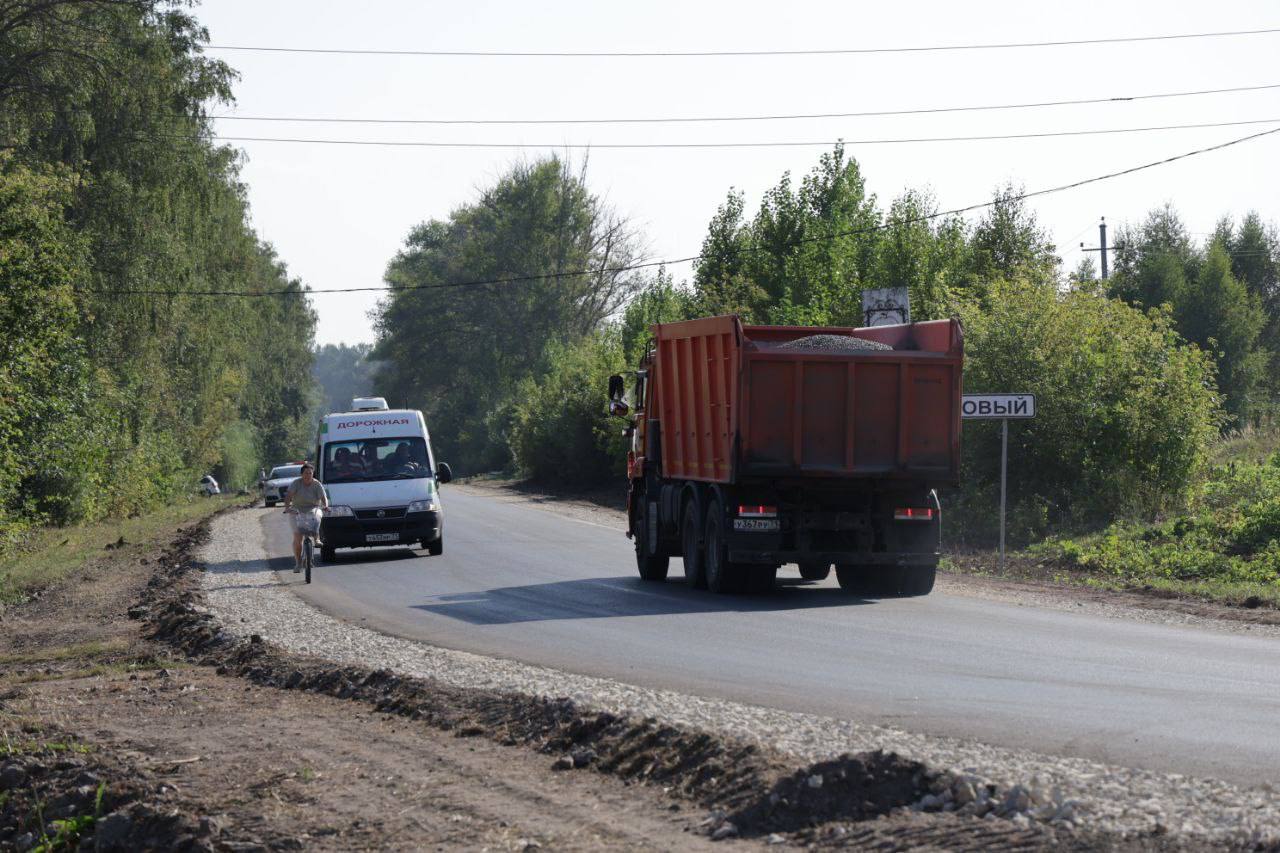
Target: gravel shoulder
{"points": [[1141, 806]]}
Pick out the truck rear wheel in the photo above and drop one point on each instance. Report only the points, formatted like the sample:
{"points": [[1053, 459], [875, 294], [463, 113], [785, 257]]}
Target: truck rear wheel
{"points": [[694, 567], [722, 575], [652, 566], [887, 581], [815, 571]]}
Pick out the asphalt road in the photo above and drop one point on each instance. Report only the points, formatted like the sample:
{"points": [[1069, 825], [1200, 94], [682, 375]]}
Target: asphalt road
{"points": [[531, 585]]}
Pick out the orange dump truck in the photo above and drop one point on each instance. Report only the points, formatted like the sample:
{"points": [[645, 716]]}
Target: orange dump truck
{"points": [[759, 446]]}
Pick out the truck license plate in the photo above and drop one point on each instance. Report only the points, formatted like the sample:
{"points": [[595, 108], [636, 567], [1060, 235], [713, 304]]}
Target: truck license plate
{"points": [[756, 525], [382, 537]]}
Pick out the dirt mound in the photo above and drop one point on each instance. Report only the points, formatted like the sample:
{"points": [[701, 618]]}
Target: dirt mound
{"points": [[851, 787]]}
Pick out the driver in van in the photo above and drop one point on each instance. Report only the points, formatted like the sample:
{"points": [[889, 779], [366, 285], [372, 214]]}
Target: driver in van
{"points": [[304, 494], [402, 462]]}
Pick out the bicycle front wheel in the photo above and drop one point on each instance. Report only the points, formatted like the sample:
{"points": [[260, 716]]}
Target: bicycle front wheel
{"points": [[308, 554]]}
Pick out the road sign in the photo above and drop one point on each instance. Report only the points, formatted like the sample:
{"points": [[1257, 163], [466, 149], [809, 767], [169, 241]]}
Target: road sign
{"points": [[998, 406], [886, 307]]}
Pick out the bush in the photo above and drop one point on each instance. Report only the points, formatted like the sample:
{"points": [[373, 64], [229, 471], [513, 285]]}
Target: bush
{"points": [[1125, 411], [1230, 533], [557, 424]]}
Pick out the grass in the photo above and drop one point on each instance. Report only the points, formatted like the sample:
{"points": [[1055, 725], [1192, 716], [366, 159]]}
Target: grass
{"points": [[1251, 445], [1224, 548], [94, 649], [30, 746], [51, 554], [97, 670]]}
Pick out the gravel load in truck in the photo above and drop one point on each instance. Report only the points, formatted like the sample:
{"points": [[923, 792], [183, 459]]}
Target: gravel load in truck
{"points": [[838, 343], [755, 447]]}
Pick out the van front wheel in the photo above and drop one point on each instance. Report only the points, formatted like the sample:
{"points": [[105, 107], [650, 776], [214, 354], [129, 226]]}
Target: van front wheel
{"points": [[436, 548]]}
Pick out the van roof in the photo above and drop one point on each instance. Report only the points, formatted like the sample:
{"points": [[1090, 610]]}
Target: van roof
{"points": [[382, 413]]}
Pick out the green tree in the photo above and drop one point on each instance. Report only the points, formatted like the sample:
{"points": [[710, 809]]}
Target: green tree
{"points": [[1255, 261], [1222, 316], [559, 429], [1158, 264], [42, 376], [1009, 243], [156, 382], [801, 259], [661, 302], [343, 373], [554, 250], [1125, 409]]}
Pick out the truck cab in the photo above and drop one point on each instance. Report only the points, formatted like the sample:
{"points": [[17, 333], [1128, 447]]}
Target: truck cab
{"points": [[382, 479]]}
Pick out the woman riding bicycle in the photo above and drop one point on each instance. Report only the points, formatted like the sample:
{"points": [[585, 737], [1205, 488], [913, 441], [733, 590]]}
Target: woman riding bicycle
{"points": [[306, 494]]}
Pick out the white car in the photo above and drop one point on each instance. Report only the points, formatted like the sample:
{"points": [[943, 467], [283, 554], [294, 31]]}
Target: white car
{"points": [[278, 482], [209, 486]]}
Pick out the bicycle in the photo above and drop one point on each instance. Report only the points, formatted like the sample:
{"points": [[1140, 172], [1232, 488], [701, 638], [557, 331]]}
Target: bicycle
{"points": [[308, 524]]}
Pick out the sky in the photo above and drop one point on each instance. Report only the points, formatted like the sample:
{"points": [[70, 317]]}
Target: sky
{"points": [[337, 214]]}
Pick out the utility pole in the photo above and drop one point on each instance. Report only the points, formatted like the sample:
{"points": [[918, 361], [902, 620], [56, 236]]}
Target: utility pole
{"points": [[1101, 247]]}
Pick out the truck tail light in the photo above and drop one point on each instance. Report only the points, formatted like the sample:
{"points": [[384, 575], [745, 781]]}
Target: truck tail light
{"points": [[757, 511], [913, 513]]}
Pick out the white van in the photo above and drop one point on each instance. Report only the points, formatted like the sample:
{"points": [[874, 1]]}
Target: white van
{"points": [[382, 478]]}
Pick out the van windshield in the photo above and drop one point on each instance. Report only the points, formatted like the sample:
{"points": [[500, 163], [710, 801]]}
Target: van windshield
{"points": [[368, 459], [285, 471]]}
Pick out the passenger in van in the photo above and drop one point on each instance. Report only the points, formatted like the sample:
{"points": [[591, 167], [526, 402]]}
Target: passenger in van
{"points": [[369, 456], [345, 465]]}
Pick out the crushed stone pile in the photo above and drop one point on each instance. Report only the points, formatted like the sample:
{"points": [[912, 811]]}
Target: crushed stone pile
{"points": [[834, 343]]}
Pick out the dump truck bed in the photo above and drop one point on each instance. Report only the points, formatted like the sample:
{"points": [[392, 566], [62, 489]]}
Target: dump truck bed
{"points": [[737, 402]]}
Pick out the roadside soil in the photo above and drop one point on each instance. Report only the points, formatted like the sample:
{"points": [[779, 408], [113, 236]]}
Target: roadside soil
{"points": [[199, 760], [1024, 580]]}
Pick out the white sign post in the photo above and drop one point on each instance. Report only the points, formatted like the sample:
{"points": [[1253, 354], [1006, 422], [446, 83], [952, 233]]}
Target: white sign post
{"points": [[1002, 406]]}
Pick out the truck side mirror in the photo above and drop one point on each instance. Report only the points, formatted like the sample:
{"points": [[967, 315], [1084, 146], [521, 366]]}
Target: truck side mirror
{"points": [[616, 388], [443, 473]]}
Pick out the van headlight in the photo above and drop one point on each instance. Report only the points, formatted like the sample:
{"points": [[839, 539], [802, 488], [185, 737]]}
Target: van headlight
{"points": [[429, 505], [340, 511]]}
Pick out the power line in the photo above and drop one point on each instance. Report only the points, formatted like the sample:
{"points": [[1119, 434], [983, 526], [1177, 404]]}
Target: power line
{"points": [[529, 54], [689, 119], [825, 143], [674, 261]]}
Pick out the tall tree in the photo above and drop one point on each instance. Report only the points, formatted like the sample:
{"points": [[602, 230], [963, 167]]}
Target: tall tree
{"points": [[1158, 264], [343, 373], [112, 95], [1009, 243], [556, 253]]}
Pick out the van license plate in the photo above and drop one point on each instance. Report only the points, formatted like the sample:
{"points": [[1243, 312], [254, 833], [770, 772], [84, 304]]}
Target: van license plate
{"points": [[382, 537], [756, 525]]}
